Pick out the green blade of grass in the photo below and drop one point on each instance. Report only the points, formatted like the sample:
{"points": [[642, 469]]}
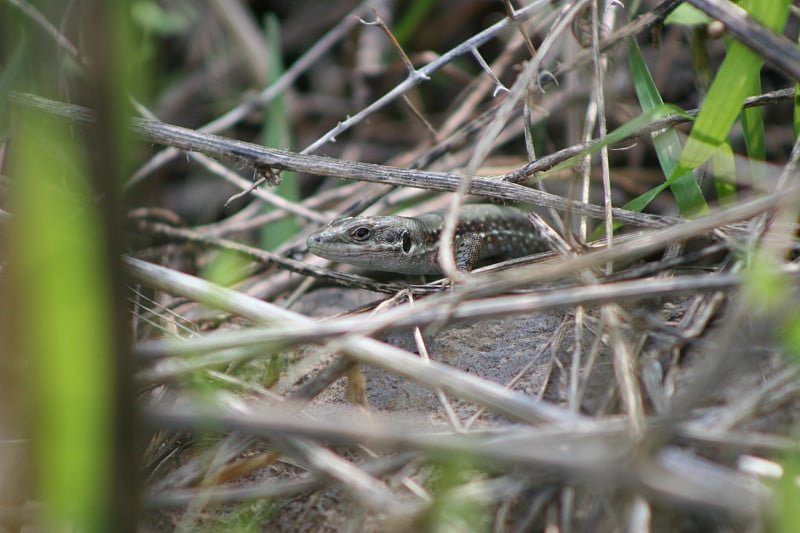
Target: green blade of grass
{"points": [[724, 169], [735, 79], [687, 15], [413, 16], [753, 127], [684, 187], [623, 132], [788, 494], [796, 116], [277, 134], [752, 120], [65, 327], [796, 121], [10, 72]]}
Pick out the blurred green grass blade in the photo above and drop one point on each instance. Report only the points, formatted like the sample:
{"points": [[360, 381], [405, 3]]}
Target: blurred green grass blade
{"points": [[687, 15], [64, 324], [155, 19], [225, 268], [247, 517], [788, 520], [796, 110], [724, 169], [732, 84], [752, 119], [413, 16], [644, 199], [768, 293], [10, 72], [753, 126], [721, 107], [765, 286], [623, 132], [277, 133], [449, 510], [790, 337], [796, 116], [684, 188]]}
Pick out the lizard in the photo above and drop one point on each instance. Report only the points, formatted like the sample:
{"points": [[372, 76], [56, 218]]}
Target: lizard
{"points": [[410, 245]]}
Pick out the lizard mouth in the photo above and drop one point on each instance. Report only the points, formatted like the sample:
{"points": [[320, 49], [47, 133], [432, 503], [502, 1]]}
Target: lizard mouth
{"points": [[337, 250]]}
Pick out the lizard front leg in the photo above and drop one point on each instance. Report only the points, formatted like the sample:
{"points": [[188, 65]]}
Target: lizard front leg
{"points": [[468, 248]]}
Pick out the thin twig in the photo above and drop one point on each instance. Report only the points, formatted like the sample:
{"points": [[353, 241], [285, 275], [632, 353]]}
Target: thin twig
{"points": [[589, 452], [382, 25], [423, 73], [34, 14], [192, 140], [423, 313], [267, 95], [361, 349]]}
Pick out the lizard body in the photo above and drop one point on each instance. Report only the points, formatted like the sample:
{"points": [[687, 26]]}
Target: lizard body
{"points": [[410, 245]]}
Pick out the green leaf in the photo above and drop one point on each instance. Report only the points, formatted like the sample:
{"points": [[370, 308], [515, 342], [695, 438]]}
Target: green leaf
{"points": [[413, 16], [787, 495], [246, 517], [64, 323], [684, 188], [623, 132], [450, 509], [153, 18], [796, 121], [9, 77], [790, 336], [735, 80], [766, 287], [644, 199], [225, 268], [752, 119], [724, 169], [277, 133], [687, 15], [753, 127]]}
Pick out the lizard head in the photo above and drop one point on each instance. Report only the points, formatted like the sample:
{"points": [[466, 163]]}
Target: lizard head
{"points": [[383, 243]]}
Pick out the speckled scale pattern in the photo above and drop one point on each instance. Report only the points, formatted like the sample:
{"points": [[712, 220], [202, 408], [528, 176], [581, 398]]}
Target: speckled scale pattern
{"points": [[409, 245]]}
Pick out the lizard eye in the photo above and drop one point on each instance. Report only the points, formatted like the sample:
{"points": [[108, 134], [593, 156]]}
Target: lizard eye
{"points": [[361, 233], [406, 242]]}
